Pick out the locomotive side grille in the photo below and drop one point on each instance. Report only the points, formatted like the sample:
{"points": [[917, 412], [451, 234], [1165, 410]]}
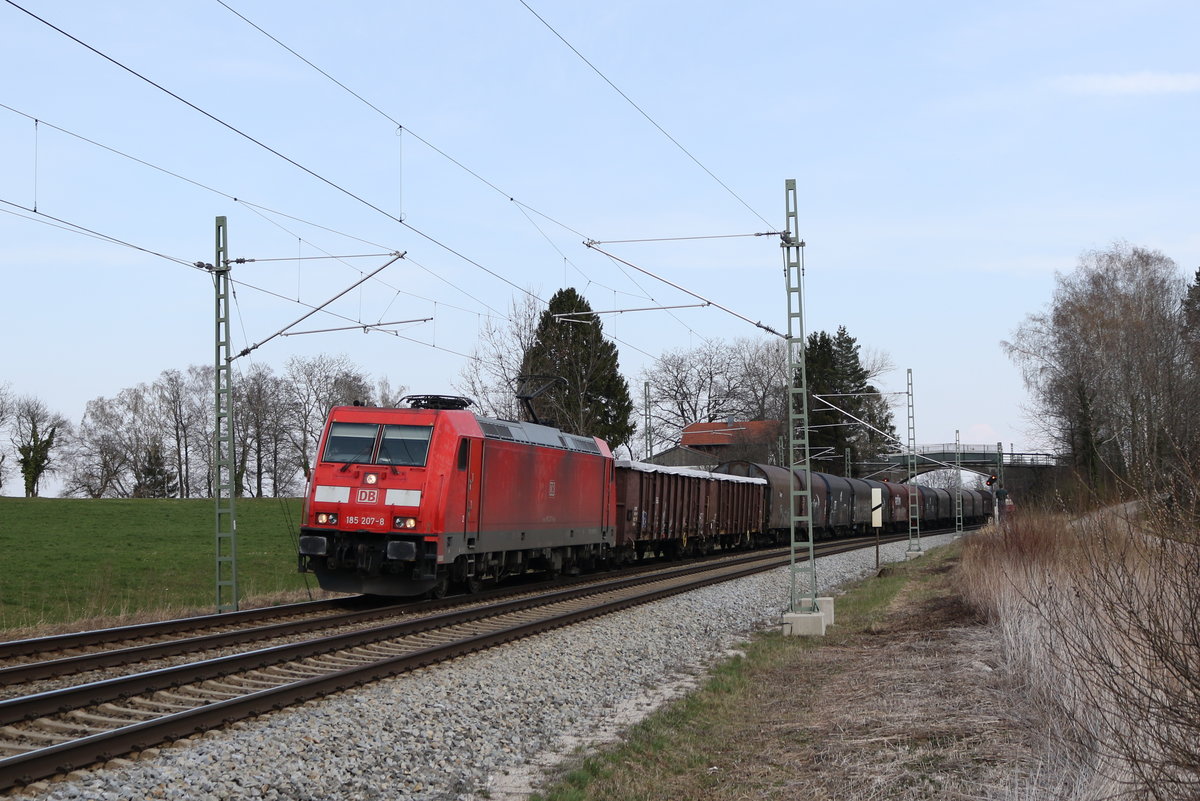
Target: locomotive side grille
{"points": [[575, 443], [496, 430], [534, 434]]}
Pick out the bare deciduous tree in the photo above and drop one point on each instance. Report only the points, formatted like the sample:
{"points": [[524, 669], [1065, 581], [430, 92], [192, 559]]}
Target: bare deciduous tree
{"points": [[313, 386], [98, 457], [388, 398], [165, 429], [701, 385], [6, 406], [490, 377], [183, 402], [748, 380], [266, 461], [1106, 364], [761, 365]]}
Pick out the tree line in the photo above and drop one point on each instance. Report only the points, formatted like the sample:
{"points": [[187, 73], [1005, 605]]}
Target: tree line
{"points": [[746, 380], [155, 440], [1113, 369]]}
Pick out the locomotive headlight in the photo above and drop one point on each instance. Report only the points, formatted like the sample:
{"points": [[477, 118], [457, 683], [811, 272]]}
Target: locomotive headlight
{"points": [[404, 522], [372, 478], [325, 518]]}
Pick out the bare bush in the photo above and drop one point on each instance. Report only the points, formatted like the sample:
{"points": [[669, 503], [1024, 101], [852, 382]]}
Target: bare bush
{"points": [[1100, 617]]}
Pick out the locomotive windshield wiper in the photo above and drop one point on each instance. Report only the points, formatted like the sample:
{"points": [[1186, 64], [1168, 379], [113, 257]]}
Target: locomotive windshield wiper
{"points": [[365, 452]]}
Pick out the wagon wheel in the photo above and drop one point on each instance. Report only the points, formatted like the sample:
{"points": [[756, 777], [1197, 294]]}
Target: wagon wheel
{"points": [[441, 585]]}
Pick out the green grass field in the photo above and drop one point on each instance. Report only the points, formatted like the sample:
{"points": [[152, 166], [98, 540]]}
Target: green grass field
{"points": [[70, 559]]}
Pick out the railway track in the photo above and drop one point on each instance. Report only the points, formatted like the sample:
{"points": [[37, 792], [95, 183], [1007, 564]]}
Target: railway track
{"points": [[76, 655], [57, 731]]}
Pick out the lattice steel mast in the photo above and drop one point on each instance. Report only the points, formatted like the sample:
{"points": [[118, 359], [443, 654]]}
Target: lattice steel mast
{"points": [[958, 510], [798, 444], [914, 492], [224, 464]]}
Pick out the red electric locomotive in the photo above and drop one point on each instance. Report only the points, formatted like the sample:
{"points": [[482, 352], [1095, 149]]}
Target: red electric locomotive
{"points": [[408, 501], [412, 501]]}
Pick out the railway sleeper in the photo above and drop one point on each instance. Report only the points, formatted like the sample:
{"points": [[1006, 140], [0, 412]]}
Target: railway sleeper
{"points": [[69, 726], [202, 693], [332, 661], [133, 714], [378, 651], [90, 717], [251, 683], [161, 702], [332, 667], [193, 701], [35, 736], [360, 656], [235, 691], [290, 673]]}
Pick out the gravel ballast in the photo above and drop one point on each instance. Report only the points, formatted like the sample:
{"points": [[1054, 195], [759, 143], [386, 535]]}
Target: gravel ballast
{"points": [[459, 729]]}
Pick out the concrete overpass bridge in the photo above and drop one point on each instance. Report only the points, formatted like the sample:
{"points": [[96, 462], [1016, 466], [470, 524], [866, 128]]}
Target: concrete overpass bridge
{"points": [[983, 459]]}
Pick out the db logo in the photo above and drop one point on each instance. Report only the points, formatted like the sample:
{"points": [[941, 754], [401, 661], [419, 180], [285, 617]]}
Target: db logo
{"points": [[368, 496]]}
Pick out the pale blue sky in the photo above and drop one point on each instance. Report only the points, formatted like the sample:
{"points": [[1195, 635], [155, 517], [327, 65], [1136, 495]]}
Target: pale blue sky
{"points": [[950, 158]]}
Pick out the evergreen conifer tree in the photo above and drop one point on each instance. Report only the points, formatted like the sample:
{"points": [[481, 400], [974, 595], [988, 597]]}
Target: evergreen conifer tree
{"points": [[154, 478], [592, 399], [835, 370]]}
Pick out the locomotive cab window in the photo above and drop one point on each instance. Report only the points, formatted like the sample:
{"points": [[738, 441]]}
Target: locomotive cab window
{"points": [[404, 445], [350, 442], [464, 453]]}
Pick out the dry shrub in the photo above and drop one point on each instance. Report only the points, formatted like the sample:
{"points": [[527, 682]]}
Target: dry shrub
{"points": [[1100, 617]]}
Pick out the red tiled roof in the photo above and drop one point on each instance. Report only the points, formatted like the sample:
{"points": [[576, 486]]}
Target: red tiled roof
{"points": [[729, 433]]}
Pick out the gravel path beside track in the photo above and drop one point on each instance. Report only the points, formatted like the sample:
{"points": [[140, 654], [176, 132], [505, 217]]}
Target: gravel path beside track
{"points": [[459, 730]]}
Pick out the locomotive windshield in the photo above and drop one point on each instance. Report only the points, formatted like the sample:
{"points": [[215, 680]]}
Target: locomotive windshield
{"points": [[369, 443], [405, 445]]}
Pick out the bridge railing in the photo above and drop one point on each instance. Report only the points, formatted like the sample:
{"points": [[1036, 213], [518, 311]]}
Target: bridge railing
{"points": [[949, 448], [975, 454]]}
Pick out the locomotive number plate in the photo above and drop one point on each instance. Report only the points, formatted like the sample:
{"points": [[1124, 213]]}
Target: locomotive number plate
{"points": [[365, 521]]}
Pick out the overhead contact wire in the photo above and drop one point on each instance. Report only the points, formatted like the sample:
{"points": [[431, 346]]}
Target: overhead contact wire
{"points": [[67, 225], [522, 206], [726, 309], [399, 125], [193, 106], [272, 150], [639, 109]]}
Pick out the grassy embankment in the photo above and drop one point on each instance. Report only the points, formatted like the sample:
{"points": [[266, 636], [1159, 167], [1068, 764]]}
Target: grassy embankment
{"points": [[1085, 685], [73, 559], [853, 715]]}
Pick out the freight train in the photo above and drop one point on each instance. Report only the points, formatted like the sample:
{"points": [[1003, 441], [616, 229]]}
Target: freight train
{"points": [[428, 498]]}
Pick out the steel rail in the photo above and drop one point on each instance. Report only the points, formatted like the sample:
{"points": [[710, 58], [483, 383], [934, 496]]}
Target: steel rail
{"points": [[67, 698], [15, 649], [67, 756], [82, 639], [64, 757], [79, 663]]}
